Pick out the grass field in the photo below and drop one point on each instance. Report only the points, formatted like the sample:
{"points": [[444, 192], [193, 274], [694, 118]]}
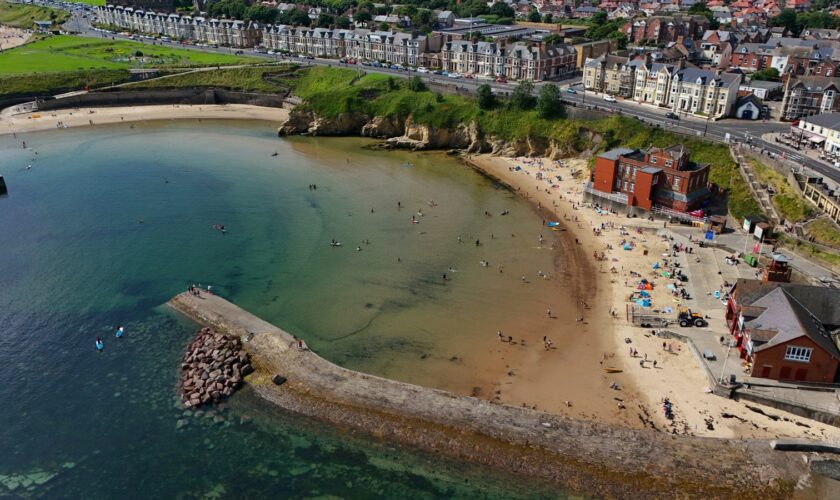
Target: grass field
{"points": [[256, 79], [69, 53], [89, 2], [53, 83], [24, 16]]}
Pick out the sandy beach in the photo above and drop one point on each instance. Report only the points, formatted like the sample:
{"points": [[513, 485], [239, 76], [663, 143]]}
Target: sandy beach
{"points": [[641, 385], [572, 377], [12, 37], [12, 121]]}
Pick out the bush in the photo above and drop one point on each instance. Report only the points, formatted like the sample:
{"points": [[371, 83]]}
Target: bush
{"points": [[485, 97], [548, 104], [415, 84], [521, 97]]}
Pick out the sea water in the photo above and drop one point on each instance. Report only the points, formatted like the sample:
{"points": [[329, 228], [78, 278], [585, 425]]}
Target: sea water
{"points": [[102, 226]]}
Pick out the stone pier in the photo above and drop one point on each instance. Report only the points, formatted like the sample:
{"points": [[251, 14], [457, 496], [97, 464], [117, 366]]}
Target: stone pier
{"points": [[582, 457]]}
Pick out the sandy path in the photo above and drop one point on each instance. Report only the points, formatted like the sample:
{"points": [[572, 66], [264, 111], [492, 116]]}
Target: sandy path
{"points": [[12, 37], [677, 374], [78, 117]]}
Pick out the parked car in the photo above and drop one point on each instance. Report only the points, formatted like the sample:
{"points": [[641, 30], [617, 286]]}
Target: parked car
{"points": [[672, 116], [422, 69], [501, 79], [570, 90], [609, 98], [469, 75], [437, 72], [454, 75]]}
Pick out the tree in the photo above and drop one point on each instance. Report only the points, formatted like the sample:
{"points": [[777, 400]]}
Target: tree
{"points": [[548, 18], [415, 84], [298, 17], [384, 27], [787, 19], [521, 97], [502, 9], [362, 16], [548, 104], [484, 96], [768, 74], [598, 19], [342, 22], [534, 16], [324, 20]]}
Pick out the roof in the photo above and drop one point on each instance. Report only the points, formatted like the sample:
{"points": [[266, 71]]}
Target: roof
{"points": [[822, 302], [749, 98], [613, 154], [791, 320], [827, 120], [762, 84]]}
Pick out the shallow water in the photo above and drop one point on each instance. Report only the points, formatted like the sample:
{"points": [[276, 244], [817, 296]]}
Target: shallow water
{"points": [[110, 222]]}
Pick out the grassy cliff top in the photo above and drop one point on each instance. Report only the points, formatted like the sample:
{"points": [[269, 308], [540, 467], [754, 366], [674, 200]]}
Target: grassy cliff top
{"points": [[70, 53], [24, 16]]}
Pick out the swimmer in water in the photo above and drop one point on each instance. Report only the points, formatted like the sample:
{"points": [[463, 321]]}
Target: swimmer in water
{"points": [[119, 333], [99, 345]]}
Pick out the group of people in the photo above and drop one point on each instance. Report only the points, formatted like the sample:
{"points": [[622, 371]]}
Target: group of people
{"points": [[100, 344]]}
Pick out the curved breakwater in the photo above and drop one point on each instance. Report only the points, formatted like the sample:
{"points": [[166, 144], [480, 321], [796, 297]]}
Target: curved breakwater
{"points": [[587, 457]]}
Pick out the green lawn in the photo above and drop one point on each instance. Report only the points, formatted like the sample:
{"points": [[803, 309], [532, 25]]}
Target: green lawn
{"points": [[69, 53], [24, 16], [272, 79], [89, 2]]}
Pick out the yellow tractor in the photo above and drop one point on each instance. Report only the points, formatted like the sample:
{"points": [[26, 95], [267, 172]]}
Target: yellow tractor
{"points": [[687, 317]]}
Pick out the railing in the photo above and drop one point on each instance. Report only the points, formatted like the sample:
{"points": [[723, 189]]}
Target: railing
{"points": [[615, 197], [674, 214]]}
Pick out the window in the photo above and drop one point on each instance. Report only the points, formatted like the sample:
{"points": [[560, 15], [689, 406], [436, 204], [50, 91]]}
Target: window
{"points": [[794, 353], [653, 160], [676, 183]]}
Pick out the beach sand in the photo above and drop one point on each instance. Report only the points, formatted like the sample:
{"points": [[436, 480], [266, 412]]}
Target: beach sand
{"points": [[677, 375], [12, 37], [569, 379], [14, 122]]}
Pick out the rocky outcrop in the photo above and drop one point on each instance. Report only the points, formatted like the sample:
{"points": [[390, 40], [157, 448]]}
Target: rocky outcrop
{"points": [[213, 367], [407, 134]]}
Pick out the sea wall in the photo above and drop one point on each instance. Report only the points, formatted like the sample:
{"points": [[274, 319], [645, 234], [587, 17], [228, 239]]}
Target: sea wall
{"points": [[585, 457], [148, 97]]}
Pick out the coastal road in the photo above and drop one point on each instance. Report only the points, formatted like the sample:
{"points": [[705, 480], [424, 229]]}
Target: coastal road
{"points": [[740, 130]]}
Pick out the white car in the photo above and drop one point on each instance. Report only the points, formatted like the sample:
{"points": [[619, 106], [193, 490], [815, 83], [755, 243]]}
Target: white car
{"points": [[422, 69], [609, 98], [454, 75]]}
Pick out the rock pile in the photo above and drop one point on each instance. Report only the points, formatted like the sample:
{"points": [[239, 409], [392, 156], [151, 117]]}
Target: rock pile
{"points": [[212, 368]]}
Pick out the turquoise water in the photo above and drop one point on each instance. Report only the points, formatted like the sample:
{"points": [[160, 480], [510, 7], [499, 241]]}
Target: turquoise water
{"points": [[110, 222]]}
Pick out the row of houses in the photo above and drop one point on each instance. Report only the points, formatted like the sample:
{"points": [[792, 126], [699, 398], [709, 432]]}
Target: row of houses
{"points": [[228, 32], [517, 57], [682, 90]]}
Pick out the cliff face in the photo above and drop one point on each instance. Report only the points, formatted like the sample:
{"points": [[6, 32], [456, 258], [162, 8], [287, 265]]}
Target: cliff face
{"points": [[405, 133]]}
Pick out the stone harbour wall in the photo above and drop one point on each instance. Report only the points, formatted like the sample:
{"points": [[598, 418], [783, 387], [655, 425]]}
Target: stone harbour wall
{"points": [[583, 457]]}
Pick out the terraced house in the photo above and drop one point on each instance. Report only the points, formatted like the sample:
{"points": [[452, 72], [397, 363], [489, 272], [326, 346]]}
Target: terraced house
{"points": [[519, 60], [704, 92], [227, 32]]}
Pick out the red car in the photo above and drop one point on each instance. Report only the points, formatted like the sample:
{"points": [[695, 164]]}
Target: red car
{"points": [[501, 80]]}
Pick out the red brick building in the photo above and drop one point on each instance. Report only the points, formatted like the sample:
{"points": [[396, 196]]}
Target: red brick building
{"points": [[784, 330], [666, 29], [656, 177]]}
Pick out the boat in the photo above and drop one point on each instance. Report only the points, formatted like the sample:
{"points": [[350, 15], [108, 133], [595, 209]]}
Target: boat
{"points": [[612, 370]]}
